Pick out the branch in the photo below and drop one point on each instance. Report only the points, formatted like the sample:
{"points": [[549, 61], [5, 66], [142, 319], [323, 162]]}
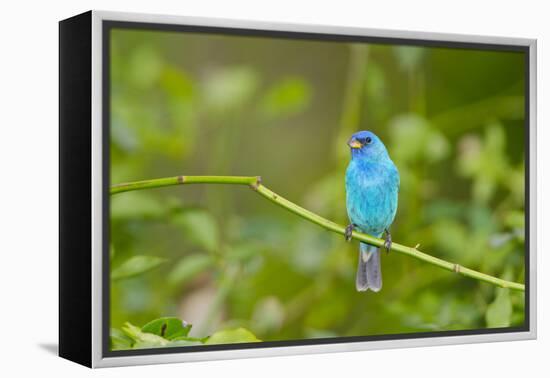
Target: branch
{"points": [[256, 184]]}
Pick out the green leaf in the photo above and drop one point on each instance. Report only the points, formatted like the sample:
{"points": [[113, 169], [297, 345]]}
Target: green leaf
{"points": [[188, 338], [499, 312], [143, 339], [200, 228], [119, 340], [185, 341], [136, 265], [168, 327], [231, 336], [189, 267]]}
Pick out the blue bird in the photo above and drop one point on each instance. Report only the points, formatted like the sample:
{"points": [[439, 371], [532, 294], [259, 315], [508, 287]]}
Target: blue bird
{"points": [[372, 186]]}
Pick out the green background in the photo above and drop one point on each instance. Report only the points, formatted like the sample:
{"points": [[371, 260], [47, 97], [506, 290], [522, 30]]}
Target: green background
{"points": [[221, 257]]}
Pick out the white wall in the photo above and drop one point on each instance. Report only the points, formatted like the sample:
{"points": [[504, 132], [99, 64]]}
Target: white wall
{"points": [[28, 200]]}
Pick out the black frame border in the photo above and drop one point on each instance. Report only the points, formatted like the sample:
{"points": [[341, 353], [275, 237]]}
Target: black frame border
{"points": [[75, 188], [108, 25]]}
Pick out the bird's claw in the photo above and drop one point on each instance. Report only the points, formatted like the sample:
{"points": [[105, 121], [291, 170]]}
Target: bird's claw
{"points": [[348, 232], [387, 241]]}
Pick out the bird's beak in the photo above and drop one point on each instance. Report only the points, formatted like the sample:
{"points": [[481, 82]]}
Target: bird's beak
{"points": [[354, 143]]}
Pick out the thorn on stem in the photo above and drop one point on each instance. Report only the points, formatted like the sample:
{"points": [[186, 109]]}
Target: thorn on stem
{"points": [[256, 184], [348, 233], [417, 246], [387, 241]]}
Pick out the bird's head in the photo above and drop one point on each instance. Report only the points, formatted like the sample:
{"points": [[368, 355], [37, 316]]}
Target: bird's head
{"points": [[366, 145]]}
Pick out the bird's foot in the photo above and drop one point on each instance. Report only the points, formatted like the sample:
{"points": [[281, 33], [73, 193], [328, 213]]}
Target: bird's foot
{"points": [[387, 241], [348, 232]]}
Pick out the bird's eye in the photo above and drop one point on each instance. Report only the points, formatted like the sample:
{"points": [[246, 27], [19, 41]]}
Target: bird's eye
{"points": [[368, 140]]}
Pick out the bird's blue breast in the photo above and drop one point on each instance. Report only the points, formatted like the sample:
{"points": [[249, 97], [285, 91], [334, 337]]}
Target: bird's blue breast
{"points": [[371, 194]]}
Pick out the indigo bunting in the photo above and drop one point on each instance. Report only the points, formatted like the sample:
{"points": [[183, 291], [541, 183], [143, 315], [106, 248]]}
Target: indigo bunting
{"points": [[372, 186]]}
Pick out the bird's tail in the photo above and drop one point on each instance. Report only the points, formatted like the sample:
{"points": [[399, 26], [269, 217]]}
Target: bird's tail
{"points": [[369, 274]]}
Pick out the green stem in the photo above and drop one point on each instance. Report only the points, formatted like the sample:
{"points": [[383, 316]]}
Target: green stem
{"points": [[256, 184], [179, 180]]}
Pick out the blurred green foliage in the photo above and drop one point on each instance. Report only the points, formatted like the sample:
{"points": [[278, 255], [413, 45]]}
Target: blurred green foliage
{"points": [[170, 331], [221, 258]]}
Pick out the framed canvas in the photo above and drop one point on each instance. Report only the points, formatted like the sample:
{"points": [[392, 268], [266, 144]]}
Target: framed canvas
{"points": [[235, 189]]}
